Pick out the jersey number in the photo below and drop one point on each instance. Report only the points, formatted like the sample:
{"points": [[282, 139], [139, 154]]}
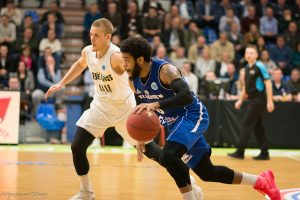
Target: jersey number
{"points": [[105, 88]]}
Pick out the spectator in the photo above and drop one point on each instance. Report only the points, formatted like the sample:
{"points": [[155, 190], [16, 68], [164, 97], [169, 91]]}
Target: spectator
{"points": [[207, 12], [280, 90], [232, 76], [174, 37], [243, 8], [252, 36], [54, 9], [51, 24], [227, 20], [285, 20], [6, 65], [221, 67], [237, 88], [269, 26], [161, 53], [13, 82], [28, 23], [28, 40], [190, 77], [186, 10], [54, 44], [26, 78], [191, 34], [196, 49], [156, 42], [14, 14], [89, 18], [178, 57], [236, 38], [114, 16], [267, 61], [116, 39], [209, 85], [43, 57], [28, 59], [47, 76], [220, 46], [132, 21], [151, 24], [282, 55], [262, 6], [152, 3], [7, 30], [294, 84], [224, 5], [249, 19], [279, 8], [204, 64], [292, 36], [261, 45]]}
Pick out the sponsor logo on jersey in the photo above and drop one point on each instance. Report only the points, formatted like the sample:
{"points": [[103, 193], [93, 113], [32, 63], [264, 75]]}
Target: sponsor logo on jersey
{"points": [[138, 91], [99, 76], [167, 120], [147, 92], [148, 96], [154, 86]]}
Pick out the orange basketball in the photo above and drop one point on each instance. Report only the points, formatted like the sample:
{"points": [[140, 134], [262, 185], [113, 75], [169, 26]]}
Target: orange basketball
{"points": [[143, 127]]}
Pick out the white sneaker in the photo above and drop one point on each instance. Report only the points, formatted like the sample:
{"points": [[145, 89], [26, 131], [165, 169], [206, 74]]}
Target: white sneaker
{"points": [[84, 195], [196, 189]]}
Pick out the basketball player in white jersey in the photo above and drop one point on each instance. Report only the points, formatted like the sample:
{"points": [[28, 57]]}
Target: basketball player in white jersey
{"points": [[112, 102]]}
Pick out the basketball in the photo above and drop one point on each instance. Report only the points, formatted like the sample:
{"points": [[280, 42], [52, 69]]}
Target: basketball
{"points": [[144, 126]]}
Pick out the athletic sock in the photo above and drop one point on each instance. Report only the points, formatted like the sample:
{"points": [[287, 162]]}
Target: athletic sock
{"points": [[85, 183], [188, 195], [248, 179]]}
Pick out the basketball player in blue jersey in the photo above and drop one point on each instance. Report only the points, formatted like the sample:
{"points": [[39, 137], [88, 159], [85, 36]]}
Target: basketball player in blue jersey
{"points": [[159, 87]]}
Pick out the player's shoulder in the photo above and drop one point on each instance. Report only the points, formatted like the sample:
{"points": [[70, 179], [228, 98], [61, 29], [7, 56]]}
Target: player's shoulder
{"points": [[86, 49]]}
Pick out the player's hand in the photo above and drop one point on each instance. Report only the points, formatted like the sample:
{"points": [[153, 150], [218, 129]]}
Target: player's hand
{"points": [[140, 147], [238, 104], [146, 106], [270, 106], [53, 89]]}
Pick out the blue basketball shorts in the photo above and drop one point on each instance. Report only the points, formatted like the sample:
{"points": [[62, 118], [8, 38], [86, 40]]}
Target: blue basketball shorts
{"points": [[188, 130]]}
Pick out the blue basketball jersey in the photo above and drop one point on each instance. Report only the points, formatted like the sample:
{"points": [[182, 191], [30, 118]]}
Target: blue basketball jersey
{"points": [[153, 91]]}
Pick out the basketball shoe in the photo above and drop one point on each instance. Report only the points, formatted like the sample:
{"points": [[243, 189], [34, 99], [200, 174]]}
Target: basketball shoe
{"points": [[196, 189], [84, 195], [266, 184]]}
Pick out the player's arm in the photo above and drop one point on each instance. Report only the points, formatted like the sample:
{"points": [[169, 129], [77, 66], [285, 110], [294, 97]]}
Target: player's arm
{"points": [[75, 70], [116, 62], [170, 76]]}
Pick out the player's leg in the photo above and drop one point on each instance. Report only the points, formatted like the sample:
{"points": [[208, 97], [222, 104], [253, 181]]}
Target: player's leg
{"points": [[82, 140], [209, 172], [247, 127]]}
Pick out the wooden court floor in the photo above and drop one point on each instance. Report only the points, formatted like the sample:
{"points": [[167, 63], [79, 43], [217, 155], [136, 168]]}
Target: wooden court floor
{"points": [[118, 176]]}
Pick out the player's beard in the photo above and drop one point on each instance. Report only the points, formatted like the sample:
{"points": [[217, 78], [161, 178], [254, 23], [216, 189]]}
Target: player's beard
{"points": [[135, 72]]}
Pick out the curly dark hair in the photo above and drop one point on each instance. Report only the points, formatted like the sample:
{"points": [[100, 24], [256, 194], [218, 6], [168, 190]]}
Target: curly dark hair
{"points": [[136, 47]]}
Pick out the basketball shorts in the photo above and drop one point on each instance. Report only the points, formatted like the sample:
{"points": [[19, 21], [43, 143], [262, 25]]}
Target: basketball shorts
{"points": [[105, 114], [188, 130]]}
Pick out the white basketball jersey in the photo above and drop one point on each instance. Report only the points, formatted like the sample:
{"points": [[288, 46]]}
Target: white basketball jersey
{"points": [[108, 85]]}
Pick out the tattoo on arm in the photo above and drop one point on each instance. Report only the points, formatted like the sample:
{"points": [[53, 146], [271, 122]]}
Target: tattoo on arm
{"points": [[169, 73]]}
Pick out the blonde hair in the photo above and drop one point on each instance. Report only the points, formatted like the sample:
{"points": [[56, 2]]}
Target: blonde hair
{"points": [[104, 24]]}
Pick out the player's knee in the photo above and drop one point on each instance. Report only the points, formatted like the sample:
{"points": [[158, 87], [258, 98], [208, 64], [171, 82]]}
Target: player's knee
{"points": [[76, 148], [167, 159]]}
